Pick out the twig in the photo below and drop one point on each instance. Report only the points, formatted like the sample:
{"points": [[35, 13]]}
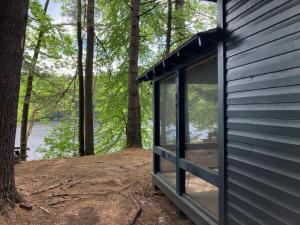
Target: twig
{"points": [[46, 189], [125, 1], [57, 202], [149, 10], [144, 3], [45, 210], [106, 54], [80, 194], [63, 93], [95, 194], [203, 14], [73, 184]]}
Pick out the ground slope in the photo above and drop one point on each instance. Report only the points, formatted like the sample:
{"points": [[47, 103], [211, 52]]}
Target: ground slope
{"points": [[94, 190]]}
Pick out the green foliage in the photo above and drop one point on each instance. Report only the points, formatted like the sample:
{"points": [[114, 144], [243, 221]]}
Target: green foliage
{"points": [[55, 93], [203, 100], [57, 48], [66, 146]]}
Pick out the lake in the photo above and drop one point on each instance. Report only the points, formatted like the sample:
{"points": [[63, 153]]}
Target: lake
{"points": [[36, 139]]}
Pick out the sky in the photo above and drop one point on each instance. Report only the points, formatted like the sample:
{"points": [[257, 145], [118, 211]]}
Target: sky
{"points": [[54, 10]]}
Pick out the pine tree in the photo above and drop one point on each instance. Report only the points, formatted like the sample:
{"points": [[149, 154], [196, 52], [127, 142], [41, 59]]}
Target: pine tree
{"points": [[12, 35], [80, 78], [88, 90], [134, 138]]}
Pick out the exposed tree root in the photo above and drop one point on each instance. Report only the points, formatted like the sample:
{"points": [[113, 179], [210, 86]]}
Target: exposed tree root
{"points": [[47, 188], [11, 196], [138, 212], [8, 199]]}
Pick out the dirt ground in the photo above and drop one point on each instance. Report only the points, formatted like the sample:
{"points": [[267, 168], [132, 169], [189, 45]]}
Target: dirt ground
{"points": [[113, 190]]}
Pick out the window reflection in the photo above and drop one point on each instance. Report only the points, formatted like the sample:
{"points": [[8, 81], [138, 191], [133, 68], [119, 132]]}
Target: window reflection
{"points": [[201, 114], [168, 113], [202, 192], [168, 171]]}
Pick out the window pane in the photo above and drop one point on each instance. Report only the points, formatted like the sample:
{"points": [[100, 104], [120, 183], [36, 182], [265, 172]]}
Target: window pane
{"points": [[202, 192], [168, 113], [168, 171], [201, 114]]}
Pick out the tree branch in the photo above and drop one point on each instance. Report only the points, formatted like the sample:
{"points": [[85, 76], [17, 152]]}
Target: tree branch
{"points": [[126, 2], [145, 3], [149, 10], [63, 93], [106, 54], [203, 14]]}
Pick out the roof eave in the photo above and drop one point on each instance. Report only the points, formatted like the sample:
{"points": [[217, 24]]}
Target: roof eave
{"points": [[194, 45]]}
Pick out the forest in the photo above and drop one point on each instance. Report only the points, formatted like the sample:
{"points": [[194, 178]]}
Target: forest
{"points": [[76, 63], [56, 60]]}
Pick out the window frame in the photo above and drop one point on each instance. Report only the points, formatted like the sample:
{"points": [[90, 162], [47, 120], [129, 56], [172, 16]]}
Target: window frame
{"points": [[182, 165]]}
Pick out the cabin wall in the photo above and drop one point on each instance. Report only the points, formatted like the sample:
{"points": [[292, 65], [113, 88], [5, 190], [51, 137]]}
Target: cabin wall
{"points": [[262, 111]]}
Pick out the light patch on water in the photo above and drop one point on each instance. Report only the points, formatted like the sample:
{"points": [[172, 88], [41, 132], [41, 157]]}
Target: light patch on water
{"points": [[36, 139]]}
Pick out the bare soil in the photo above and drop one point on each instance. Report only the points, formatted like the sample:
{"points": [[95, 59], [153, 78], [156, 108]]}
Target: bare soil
{"points": [[113, 189]]}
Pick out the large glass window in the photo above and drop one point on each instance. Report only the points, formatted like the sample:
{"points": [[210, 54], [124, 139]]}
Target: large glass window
{"points": [[167, 89], [199, 85], [201, 114]]}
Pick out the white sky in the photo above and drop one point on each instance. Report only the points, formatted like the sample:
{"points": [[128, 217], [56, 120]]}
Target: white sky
{"points": [[54, 10]]}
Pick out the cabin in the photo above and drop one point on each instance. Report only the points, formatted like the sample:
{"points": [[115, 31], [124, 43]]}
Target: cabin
{"points": [[226, 117]]}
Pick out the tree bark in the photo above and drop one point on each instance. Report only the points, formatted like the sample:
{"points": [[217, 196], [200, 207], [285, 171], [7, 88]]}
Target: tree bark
{"points": [[134, 138], [81, 82], [88, 113], [26, 104], [167, 51], [179, 4], [179, 22], [12, 38], [169, 27]]}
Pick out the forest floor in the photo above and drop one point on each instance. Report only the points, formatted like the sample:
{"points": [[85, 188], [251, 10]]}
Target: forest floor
{"points": [[113, 189]]}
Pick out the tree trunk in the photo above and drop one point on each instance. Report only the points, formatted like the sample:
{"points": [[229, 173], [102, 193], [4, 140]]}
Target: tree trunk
{"points": [[179, 4], [163, 93], [25, 110], [169, 28], [81, 83], [134, 138], [180, 28], [12, 38], [88, 113]]}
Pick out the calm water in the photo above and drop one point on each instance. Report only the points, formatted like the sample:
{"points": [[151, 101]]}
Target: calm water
{"points": [[36, 139]]}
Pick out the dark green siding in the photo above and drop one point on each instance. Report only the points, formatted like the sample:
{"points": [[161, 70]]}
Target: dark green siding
{"points": [[262, 112]]}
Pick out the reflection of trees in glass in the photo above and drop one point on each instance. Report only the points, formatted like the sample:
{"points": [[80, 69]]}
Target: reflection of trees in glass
{"points": [[202, 108], [168, 113]]}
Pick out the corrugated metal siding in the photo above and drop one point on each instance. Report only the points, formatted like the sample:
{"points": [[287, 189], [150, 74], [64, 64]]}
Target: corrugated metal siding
{"points": [[263, 112]]}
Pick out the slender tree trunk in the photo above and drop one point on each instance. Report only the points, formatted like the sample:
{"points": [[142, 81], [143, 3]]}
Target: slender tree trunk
{"points": [[25, 110], [88, 100], [12, 37], [81, 82], [169, 27], [179, 22], [134, 138], [164, 91]]}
